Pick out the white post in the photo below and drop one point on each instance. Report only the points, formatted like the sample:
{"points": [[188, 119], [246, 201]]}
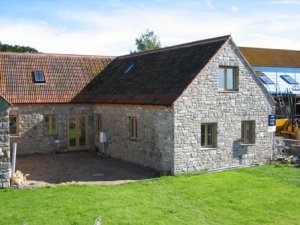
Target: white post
{"points": [[14, 155], [273, 145]]}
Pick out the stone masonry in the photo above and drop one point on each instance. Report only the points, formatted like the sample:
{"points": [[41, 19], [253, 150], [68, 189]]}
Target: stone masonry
{"points": [[202, 102], [4, 145], [154, 145], [31, 138]]}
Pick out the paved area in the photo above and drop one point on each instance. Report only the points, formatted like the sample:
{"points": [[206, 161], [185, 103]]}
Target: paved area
{"points": [[78, 167]]}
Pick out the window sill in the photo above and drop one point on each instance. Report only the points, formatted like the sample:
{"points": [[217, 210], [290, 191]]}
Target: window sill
{"points": [[250, 144], [224, 91], [208, 148], [134, 139]]}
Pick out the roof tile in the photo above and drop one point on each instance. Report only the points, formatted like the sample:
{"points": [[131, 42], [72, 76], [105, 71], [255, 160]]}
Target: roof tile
{"points": [[271, 57], [65, 75]]}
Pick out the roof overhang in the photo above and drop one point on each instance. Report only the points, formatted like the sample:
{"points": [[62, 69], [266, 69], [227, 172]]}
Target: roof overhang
{"points": [[1, 97]]}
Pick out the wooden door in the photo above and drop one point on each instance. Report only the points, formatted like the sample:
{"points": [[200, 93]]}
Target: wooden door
{"points": [[77, 132]]}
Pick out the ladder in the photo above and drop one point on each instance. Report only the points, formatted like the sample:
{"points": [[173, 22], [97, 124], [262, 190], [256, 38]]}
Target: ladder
{"points": [[281, 103]]}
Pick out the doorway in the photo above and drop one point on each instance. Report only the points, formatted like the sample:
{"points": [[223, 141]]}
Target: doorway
{"points": [[77, 132]]}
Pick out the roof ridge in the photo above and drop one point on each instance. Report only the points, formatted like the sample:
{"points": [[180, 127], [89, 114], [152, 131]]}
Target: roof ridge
{"points": [[189, 44], [276, 49], [53, 55]]}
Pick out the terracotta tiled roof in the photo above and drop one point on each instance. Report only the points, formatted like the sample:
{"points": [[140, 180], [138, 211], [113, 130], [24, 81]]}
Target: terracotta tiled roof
{"points": [[157, 77], [65, 75], [271, 57]]}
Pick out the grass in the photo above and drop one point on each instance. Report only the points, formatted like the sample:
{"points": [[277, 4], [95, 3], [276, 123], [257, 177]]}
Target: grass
{"points": [[268, 194]]}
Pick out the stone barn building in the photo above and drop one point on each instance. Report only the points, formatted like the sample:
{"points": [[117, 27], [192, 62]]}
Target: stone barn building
{"points": [[178, 109]]}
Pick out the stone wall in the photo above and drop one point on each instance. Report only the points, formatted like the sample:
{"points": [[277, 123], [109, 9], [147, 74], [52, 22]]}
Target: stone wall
{"points": [[31, 138], [154, 145], [4, 145], [202, 102]]}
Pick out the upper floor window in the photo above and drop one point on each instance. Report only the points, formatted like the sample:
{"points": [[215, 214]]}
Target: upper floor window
{"points": [[209, 135], [133, 128], [228, 78], [14, 125], [248, 132], [50, 124], [38, 76]]}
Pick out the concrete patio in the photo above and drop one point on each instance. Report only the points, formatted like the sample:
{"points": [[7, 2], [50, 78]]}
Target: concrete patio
{"points": [[78, 167]]}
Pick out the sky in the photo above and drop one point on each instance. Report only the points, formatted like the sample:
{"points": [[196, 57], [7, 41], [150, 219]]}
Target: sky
{"points": [[98, 27]]}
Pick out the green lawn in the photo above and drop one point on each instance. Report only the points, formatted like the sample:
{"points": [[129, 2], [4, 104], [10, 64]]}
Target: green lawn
{"points": [[268, 194]]}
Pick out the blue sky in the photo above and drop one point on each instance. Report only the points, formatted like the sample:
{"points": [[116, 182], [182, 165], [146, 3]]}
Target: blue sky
{"points": [[110, 27]]}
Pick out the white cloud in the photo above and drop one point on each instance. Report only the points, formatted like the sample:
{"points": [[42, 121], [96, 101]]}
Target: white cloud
{"points": [[234, 9], [114, 32], [297, 2]]}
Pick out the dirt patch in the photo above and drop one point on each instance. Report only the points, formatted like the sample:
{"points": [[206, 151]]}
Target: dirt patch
{"points": [[78, 167]]}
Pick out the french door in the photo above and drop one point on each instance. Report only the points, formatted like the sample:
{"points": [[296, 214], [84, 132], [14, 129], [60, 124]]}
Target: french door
{"points": [[77, 132]]}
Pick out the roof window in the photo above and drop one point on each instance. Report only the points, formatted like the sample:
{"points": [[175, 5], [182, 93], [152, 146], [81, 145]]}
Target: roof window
{"points": [[129, 67], [265, 79], [38, 76], [288, 79]]}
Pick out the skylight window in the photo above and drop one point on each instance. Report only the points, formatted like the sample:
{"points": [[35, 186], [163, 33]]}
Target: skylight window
{"points": [[288, 79], [265, 79], [38, 76], [129, 67]]}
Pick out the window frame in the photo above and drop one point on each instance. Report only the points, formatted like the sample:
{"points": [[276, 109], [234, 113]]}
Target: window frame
{"points": [[17, 125], [99, 122], [133, 126], [214, 135], [128, 68], [265, 80], [288, 79], [50, 131], [235, 81], [39, 76], [245, 126]]}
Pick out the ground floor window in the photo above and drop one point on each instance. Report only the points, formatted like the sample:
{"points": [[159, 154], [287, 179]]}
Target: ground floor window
{"points": [[248, 132], [50, 124], [133, 128], [14, 125], [98, 122], [209, 135]]}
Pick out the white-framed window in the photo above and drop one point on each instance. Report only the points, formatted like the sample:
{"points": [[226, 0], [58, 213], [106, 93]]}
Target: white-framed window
{"points": [[228, 78], [209, 135], [50, 124], [133, 128], [248, 132]]}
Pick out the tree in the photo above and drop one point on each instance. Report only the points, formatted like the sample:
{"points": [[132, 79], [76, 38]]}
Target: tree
{"points": [[147, 41], [16, 48]]}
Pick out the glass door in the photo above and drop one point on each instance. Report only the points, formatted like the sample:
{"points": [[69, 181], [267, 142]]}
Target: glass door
{"points": [[77, 132]]}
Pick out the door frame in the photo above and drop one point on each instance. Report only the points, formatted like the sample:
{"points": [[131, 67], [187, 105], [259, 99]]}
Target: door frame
{"points": [[77, 147]]}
